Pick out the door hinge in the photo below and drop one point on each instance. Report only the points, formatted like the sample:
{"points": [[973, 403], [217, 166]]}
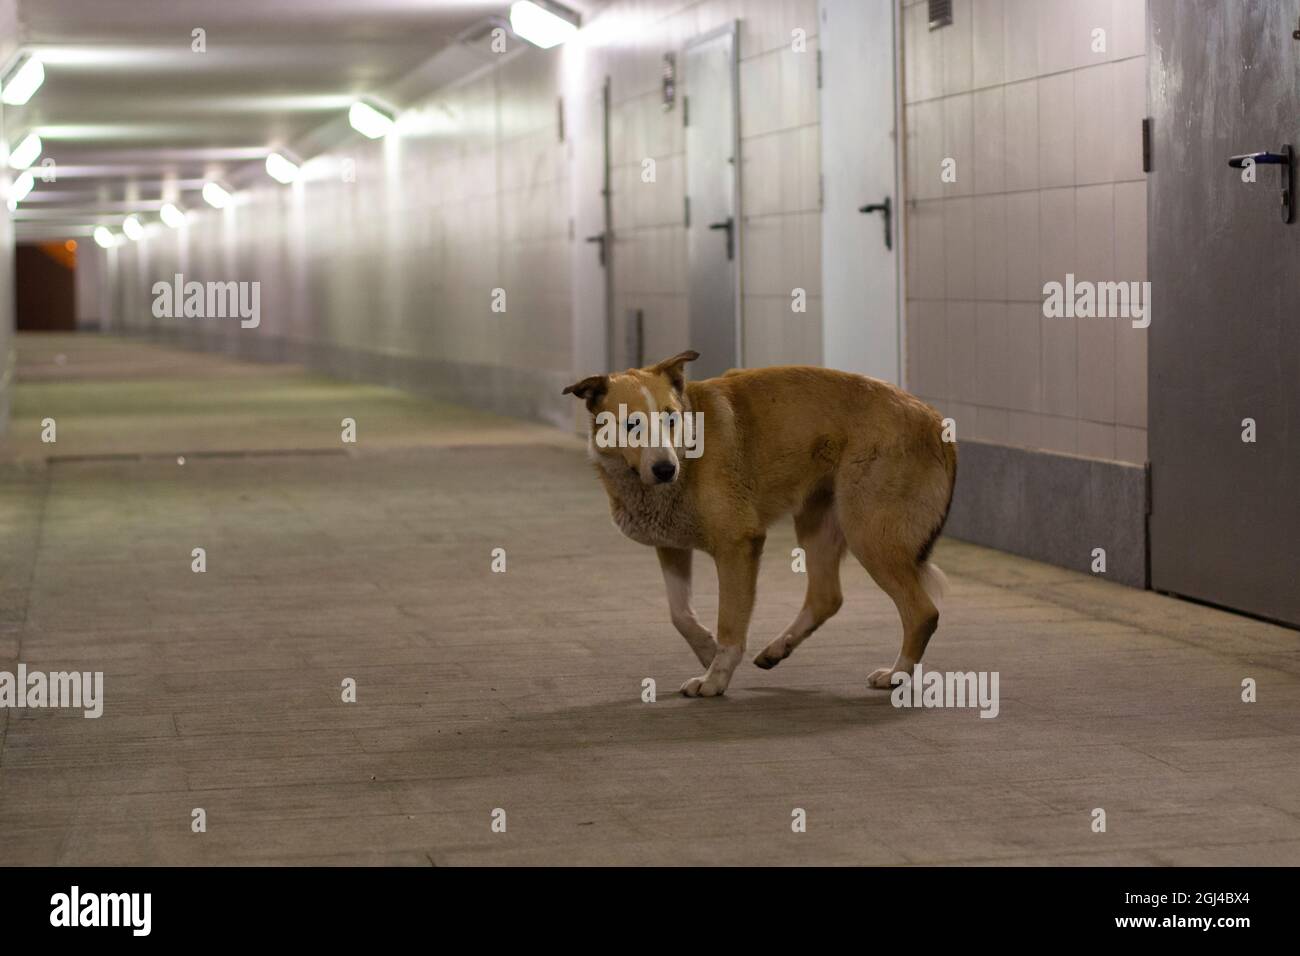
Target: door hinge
{"points": [[686, 111], [1146, 144], [821, 191], [686, 209], [559, 117], [819, 69], [1148, 481]]}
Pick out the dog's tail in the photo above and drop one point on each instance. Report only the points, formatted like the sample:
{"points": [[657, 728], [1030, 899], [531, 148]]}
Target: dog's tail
{"points": [[934, 582]]}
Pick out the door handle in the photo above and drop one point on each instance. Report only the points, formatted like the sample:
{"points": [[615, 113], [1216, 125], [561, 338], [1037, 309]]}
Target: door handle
{"points": [[887, 207], [729, 225], [599, 237], [1285, 159]]}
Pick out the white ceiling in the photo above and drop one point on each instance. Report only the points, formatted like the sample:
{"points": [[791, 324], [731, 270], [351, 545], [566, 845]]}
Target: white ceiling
{"points": [[130, 113]]}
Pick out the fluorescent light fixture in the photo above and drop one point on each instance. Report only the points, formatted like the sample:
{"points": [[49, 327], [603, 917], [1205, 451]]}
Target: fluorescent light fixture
{"points": [[103, 238], [281, 169], [368, 121], [21, 187], [172, 216], [23, 82], [131, 226], [25, 153], [215, 196], [542, 23]]}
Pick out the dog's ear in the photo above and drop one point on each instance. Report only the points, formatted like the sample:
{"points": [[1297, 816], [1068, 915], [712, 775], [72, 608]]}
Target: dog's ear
{"points": [[673, 367], [591, 389]]}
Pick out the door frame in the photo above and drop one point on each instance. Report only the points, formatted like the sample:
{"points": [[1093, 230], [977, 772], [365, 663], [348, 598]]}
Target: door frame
{"points": [[731, 28]]}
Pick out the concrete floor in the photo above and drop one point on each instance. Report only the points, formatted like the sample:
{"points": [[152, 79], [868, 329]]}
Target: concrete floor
{"points": [[522, 690]]}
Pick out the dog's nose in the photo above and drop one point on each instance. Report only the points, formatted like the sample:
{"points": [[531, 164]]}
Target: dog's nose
{"points": [[663, 470]]}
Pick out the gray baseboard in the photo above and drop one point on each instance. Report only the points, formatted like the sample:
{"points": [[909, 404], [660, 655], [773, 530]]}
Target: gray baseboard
{"points": [[1053, 508], [528, 393]]}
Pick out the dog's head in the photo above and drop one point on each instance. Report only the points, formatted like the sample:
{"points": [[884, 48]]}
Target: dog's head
{"points": [[622, 405]]}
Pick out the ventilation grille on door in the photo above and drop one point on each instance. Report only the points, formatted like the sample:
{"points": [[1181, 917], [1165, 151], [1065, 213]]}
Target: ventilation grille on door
{"points": [[940, 13]]}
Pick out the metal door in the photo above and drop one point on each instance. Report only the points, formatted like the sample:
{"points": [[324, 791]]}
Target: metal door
{"points": [[593, 339], [1225, 320], [860, 282], [713, 201]]}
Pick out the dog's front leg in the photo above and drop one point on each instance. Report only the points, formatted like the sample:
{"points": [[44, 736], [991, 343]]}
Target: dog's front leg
{"points": [[676, 565], [737, 580]]}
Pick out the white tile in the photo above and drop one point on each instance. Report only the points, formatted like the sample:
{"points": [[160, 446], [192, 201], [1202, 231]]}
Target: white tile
{"points": [[1131, 230], [1094, 235], [992, 356], [923, 50], [988, 43], [957, 49], [1093, 28], [1094, 114], [925, 133], [962, 359], [1056, 235], [1131, 445], [1022, 390], [1055, 26], [989, 132], [925, 253], [1056, 130], [1096, 440], [927, 350], [1020, 39], [1096, 343], [1020, 144], [1060, 368], [959, 248], [1128, 28], [991, 247], [1024, 274], [958, 143]]}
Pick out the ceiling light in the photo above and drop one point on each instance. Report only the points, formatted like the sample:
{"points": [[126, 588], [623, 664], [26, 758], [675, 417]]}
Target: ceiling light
{"points": [[23, 82], [215, 196], [172, 216], [25, 153], [103, 238], [542, 23], [281, 169], [131, 226], [368, 121], [21, 187]]}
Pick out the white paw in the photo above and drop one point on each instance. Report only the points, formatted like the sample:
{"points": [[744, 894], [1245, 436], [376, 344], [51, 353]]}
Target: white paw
{"points": [[880, 678], [707, 685]]}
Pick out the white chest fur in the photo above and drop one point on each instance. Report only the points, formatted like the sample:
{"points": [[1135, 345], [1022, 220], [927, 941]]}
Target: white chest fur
{"points": [[660, 516]]}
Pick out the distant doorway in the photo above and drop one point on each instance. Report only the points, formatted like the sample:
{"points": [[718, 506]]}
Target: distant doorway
{"points": [[45, 287]]}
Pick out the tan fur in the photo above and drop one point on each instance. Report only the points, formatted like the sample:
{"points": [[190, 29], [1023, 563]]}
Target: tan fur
{"points": [[860, 464]]}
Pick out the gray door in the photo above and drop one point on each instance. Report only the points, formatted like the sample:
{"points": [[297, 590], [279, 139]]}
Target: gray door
{"points": [[1225, 321], [592, 260], [712, 201]]}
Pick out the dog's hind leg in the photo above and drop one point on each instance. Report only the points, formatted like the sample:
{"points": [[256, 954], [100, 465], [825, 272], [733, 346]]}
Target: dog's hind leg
{"points": [[818, 531], [676, 565]]}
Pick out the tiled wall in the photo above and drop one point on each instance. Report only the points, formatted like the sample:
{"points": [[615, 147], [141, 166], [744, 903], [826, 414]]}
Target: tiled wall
{"points": [[399, 266], [8, 42], [780, 165], [1046, 135], [391, 250]]}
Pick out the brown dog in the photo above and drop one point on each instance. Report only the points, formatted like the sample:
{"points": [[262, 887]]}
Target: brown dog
{"points": [[860, 464]]}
